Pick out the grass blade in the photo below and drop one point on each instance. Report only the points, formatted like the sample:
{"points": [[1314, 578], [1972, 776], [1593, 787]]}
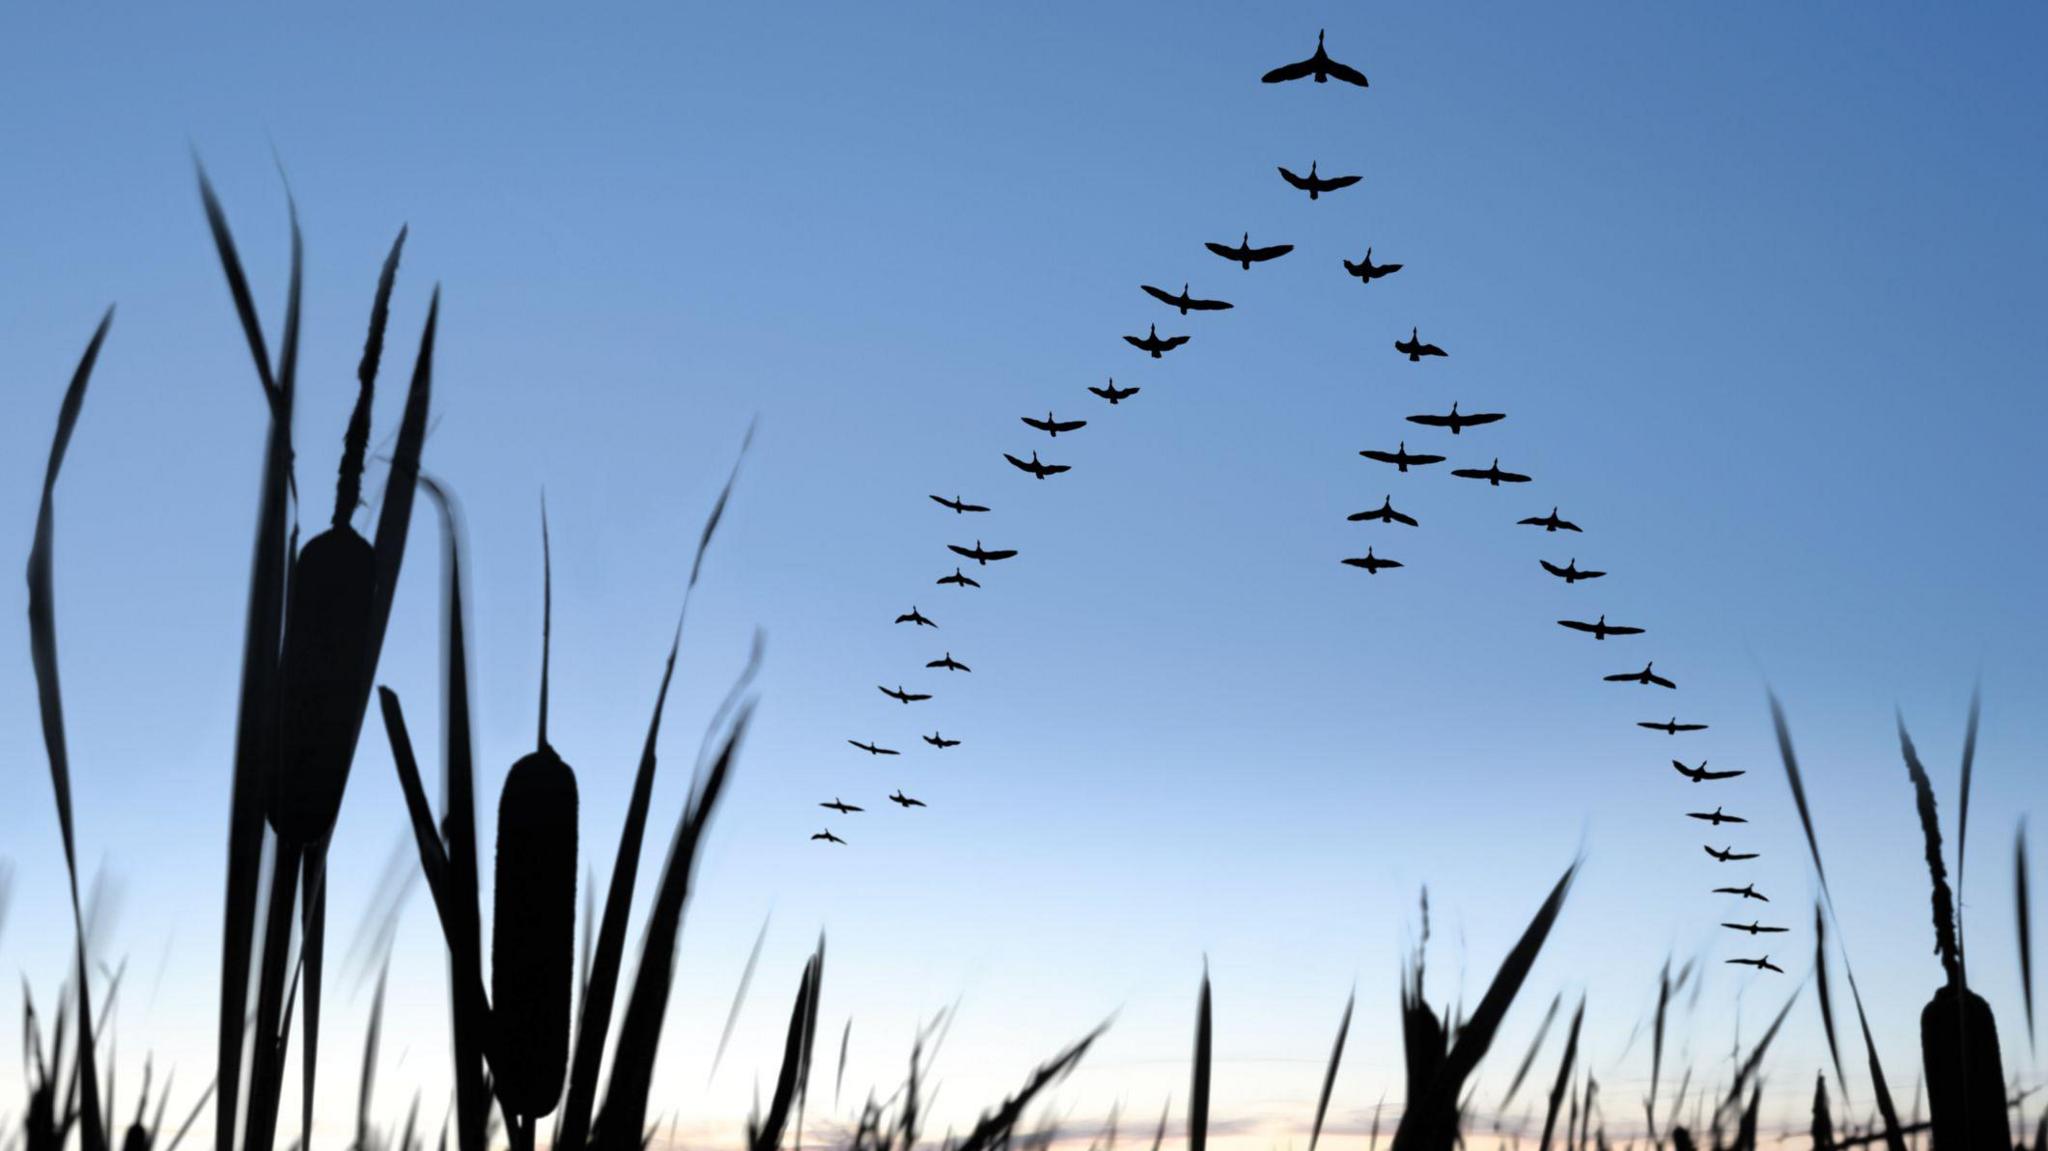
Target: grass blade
{"points": [[2022, 913], [1476, 1036], [1535, 1045], [1792, 778], [1198, 1090], [1827, 999], [994, 1128], [1564, 1073], [1963, 809], [796, 1057], [1330, 1076], [739, 998]]}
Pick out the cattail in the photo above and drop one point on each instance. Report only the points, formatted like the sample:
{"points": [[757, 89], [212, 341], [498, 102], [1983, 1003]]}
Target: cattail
{"points": [[1965, 1074]]}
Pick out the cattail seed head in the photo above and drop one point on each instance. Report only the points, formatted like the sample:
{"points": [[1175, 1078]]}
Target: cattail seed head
{"points": [[324, 671], [533, 933]]}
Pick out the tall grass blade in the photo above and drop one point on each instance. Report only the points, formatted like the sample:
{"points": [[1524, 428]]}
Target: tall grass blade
{"points": [[796, 1057], [1748, 1070], [1826, 996], [312, 952], [1963, 814], [839, 1078], [371, 1039], [2023, 915], [994, 1128], [739, 999], [1657, 1046], [1198, 1090], [1564, 1073], [1535, 1045], [1798, 786], [1330, 1076]]}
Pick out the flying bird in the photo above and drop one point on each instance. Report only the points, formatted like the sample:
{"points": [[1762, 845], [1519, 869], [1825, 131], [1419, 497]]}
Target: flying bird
{"points": [[1456, 422], [1570, 572], [904, 801], [908, 697], [1763, 964], [1551, 523], [1150, 342], [1185, 302], [1714, 817], [1700, 774], [1415, 349], [1319, 66], [1038, 469], [1671, 726], [828, 837], [1316, 185], [1053, 427], [1600, 629], [1367, 271], [916, 617], [1746, 891], [1401, 459], [1646, 677], [1756, 927], [1371, 563], [957, 578], [1730, 855], [949, 663], [1112, 393], [941, 742], [957, 506], [841, 808], [980, 555], [1385, 514], [1492, 474], [1246, 255], [873, 749]]}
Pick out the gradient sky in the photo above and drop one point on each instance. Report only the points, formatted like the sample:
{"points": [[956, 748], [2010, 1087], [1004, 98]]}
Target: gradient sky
{"points": [[1756, 283]]}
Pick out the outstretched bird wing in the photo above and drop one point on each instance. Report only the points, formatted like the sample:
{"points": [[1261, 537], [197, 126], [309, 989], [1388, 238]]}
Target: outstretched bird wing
{"points": [[1228, 253], [1208, 305], [1041, 425], [1513, 478], [1399, 518], [1483, 418], [1616, 629], [1161, 295], [1295, 71], [1023, 465], [1659, 680], [1474, 473], [1332, 183], [1431, 421], [1168, 343], [1575, 624], [1135, 341], [956, 549], [1555, 570], [1293, 179], [1344, 72], [1069, 425], [999, 554], [1270, 252]]}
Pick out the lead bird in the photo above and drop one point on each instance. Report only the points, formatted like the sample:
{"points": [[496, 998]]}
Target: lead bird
{"points": [[1150, 342], [1570, 572], [1763, 964], [1185, 302], [873, 749], [1415, 349], [1053, 427], [1318, 66], [961, 580], [1756, 927], [1112, 393], [940, 741], [903, 801], [1715, 817], [828, 837], [957, 506], [1671, 726], [1551, 523], [1402, 459], [841, 807], [1316, 185], [1385, 514], [949, 663], [1245, 255], [1599, 629], [1456, 422], [906, 697], [1746, 891], [914, 616], [1700, 774], [1646, 677], [1730, 855], [980, 555], [1371, 563], [1492, 474], [1036, 468], [1367, 271]]}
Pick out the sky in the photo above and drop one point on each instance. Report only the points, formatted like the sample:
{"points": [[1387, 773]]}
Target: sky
{"points": [[1755, 285]]}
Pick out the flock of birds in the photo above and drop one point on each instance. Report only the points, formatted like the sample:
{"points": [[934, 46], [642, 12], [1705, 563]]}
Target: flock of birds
{"points": [[1321, 68]]}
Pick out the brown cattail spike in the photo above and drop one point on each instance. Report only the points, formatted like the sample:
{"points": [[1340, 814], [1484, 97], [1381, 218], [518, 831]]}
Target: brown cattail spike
{"points": [[326, 658], [533, 933]]}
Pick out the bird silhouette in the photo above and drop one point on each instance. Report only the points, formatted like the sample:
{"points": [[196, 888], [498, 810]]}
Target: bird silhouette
{"points": [[1645, 677], [1371, 563], [840, 807], [981, 555], [1415, 349], [1600, 629], [1763, 964], [873, 749], [916, 617], [904, 801], [1493, 476], [907, 697], [1319, 66], [1671, 726], [941, 742], [1715, 817], [1756, 927], [1053, 427], [1402, 459], [828, 837], [949, 663], [1112, 393], [1185, 302], [1150, 342], [1746, 891], [1551, 523], [957, 506], [1385, 514], [1456, 422], [1038, 469], [1245, 255], [957, 578], [1700, 774], [1367, 271], [1316, 185], [1730, 855], [1570, 572]]}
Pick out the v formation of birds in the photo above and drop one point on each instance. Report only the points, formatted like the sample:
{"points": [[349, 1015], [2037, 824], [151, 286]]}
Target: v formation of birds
{"points": [[1322, 68]]}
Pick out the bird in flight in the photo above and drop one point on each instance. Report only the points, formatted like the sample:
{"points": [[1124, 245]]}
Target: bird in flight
{"points": [[957, 506], [957, 578], [1756, 927], [904, 801], [1415, 349], [1456, 422], [1492, 475], [1185, 302], [1371, 563], [1730, 855], [1038, 469], [1385, 514], [1319, 66], [1150, 342], [980, 555], [1715, 817], [1551, 523], [1246, 255], [1570, 572], [1401, 459], [1646, 677], [1763, 964], [916, 617], [1600, 629], [1316, 185], [1112, 393], [908, 697], [828, 837], [873, 749], [1671, 726], [949, 663], [1700, 774], [1367, 271], [841, 808], [940, 741], [1053, 427], [1746, 891]]}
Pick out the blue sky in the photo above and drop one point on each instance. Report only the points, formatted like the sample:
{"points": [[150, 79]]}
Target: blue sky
{"points": [[1755, 285]]}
